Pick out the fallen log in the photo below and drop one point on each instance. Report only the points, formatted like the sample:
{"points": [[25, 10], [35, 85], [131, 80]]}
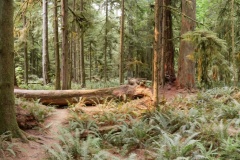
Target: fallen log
{"points": [[90, 97]]}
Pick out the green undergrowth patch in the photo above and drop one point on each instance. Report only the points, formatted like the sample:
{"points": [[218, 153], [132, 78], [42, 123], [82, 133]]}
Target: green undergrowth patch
{"points": [[201, 126], [39, 111], [7, 146]]}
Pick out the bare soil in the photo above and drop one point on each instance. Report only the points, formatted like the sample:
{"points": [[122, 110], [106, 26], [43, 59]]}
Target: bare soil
{"points": [[41, 137]]}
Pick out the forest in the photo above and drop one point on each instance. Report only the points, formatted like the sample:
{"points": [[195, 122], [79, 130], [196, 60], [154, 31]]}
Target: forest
{"points": [[119, 80]]}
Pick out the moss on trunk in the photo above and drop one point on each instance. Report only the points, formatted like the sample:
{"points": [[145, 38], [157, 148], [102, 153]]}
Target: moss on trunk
{"points": [[8, 120]]}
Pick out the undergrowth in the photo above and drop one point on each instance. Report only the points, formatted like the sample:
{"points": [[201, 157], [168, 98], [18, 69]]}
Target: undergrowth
{"points": [[201, 126], [6, 145], [40, 112]]}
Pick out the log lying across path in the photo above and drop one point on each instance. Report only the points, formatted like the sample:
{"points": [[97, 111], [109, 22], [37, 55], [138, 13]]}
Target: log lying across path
{"points": [[90, 97]]}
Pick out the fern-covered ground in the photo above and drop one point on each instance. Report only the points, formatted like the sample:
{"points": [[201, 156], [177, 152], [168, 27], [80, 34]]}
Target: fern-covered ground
{"points": [[200, 126], [203, 125]]}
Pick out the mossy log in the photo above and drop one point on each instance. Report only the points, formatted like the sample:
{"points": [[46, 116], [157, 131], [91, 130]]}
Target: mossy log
{"points": [[90, 97]]}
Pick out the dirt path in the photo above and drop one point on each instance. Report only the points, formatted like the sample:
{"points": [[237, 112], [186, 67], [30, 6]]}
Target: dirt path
{"points": [[35, 150]]}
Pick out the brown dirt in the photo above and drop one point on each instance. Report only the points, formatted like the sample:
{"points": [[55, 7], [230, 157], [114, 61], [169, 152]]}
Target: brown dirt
{"points": [[42, 138]]}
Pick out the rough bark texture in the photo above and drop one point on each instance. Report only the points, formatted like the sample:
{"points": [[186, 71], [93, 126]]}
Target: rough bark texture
{"points": [[169, 46], [56, 48], [65, 77], [91, 97], [186, 70], [45, 56], [163, 47], [7, 109]]}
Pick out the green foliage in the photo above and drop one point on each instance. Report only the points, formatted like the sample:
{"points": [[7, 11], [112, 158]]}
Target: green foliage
{"points": [[73, 148], [39, 111], [6, 145], [203, 126], [176, 146], [209, 50], [230, 148]]}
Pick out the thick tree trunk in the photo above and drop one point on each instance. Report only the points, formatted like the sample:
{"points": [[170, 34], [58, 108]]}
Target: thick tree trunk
{"points": [[90, 97], [169, 61], [8, 120], [56, 47], [65, 75], [186, 67]]}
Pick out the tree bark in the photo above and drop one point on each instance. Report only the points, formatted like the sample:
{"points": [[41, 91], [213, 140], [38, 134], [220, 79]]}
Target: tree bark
{"points": [[8, 120], [121, 72], [65, 77], [186, 67], [45, 55], [83, 79], [163, 24], [90, 97], [106, 44], [169, 46], [25, 53], [156, 53], [56, 47]]}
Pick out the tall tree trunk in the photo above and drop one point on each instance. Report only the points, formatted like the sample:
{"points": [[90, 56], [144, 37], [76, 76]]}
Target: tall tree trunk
{"points": [[74, 54], [25, 53], [186, 67], [106, 44], [169, 46], [83, 79], [56, 47], [163, 24], [156, 53], [130, 71], [45, 56], [121, 72], [8, 120], [90, 61], [233, 44], [65, 75]]}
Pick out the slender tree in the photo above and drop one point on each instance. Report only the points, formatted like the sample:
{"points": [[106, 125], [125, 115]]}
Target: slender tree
{"points": [[233, 43], [121, 72], [83, 79], [8, 120], [45, 55], [163, 47], [106, 44], [186, 67], [25, 50], [156, 53], [65, 63], [56, 47]]}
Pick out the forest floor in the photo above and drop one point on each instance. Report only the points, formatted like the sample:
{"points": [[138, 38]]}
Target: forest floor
{"points": [[45, 136], [41, 137]]}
